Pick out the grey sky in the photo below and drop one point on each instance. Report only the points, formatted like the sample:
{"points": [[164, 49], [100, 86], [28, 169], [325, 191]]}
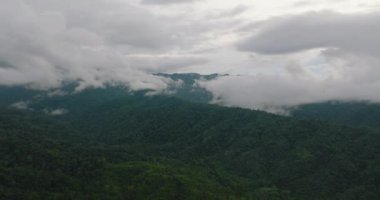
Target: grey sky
{"points": [[357, 33], [166, 2]]}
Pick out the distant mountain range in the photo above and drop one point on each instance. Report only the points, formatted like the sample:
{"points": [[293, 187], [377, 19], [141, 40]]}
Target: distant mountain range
{"points": [[361, 113]]}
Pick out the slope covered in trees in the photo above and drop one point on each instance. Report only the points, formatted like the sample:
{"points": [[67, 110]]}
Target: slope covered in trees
{"points": [[357, 113], [111, 144]]}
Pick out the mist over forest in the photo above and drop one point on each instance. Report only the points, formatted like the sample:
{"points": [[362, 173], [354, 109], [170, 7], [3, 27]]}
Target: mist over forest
{"points": [[189, 99]]}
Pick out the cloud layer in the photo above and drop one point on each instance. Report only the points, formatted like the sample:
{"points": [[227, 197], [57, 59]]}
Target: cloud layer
{"points": [[45, 43], [345, 64], [357, 33], [166, 2], [278, 53]]}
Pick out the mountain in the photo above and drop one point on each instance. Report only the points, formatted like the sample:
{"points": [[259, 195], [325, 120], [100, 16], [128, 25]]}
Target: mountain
{"points": [[12, 94], [351, 113], [113, 144], [189, 89], [354, 113]]}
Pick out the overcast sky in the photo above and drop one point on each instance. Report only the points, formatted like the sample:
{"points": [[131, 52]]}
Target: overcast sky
{"points": [[279, 53]]}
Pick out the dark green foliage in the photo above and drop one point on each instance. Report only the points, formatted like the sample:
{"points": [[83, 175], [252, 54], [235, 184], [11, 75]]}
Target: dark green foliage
{"points": [[350, 113], [9, 95], [115, 145]]}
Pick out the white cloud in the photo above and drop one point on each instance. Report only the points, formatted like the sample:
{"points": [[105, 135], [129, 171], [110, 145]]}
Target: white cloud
{"points": [[293, 52], [55, 112], [165, 62], [48, 42], [357, 33], [167, 2], [21, 105], [344, 62], [269, 92]]}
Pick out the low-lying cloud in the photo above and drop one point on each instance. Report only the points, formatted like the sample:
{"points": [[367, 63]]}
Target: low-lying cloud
{"points": [[274, 92], [45, 43], [56, 112], [346, 64]]}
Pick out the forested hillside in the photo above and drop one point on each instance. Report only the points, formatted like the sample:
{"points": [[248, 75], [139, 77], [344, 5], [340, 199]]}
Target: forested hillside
{"points": [[112, 144], [354, 113]]}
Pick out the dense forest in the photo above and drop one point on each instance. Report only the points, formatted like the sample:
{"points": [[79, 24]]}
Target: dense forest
{"points": [[354, 113], [114, 144]]}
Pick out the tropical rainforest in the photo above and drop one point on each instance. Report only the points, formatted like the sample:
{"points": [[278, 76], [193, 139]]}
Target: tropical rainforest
{"points": [[111, 143]]}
